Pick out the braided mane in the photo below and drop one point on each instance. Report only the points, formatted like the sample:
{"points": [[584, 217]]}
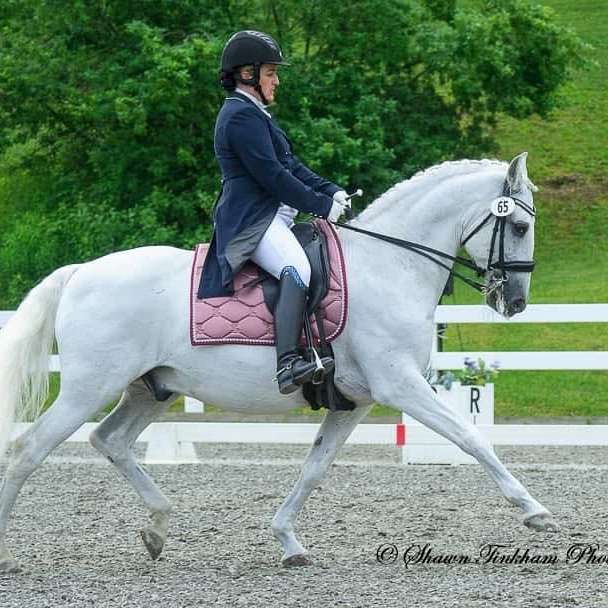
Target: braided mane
{"points": [[410, 188]]}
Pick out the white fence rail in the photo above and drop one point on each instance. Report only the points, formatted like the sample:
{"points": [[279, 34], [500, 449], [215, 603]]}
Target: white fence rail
{"points": [[535, 313], [527, 360], [178, 437]]}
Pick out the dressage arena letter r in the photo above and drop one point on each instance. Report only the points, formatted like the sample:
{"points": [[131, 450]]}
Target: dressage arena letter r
{"points": [[475, 395]]}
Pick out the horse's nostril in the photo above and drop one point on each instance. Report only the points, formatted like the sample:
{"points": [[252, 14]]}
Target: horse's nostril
{"points": [[518, 305]]}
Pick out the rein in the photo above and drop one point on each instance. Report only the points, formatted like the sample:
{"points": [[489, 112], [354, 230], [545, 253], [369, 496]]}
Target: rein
{"points": [[498, 233]]}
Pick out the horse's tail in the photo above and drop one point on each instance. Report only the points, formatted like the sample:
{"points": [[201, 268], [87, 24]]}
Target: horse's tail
{"points": [[25, 347]]}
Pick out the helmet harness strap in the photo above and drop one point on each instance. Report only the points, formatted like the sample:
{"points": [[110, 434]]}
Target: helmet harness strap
{"points": [[253, 82]]}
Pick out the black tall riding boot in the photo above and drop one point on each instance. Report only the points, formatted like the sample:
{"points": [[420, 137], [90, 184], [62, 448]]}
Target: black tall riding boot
{"points": [[292, 369]]}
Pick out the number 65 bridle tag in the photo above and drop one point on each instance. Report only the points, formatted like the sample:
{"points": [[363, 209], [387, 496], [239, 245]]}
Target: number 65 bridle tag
{"points": [[502, 206]]}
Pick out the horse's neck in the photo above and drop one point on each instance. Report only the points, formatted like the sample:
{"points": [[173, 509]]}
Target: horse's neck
{"points": [[435, 217], [430, 220]]}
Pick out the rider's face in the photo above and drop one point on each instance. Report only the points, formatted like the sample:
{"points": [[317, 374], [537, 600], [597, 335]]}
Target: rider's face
{"points": [[269, 80]]}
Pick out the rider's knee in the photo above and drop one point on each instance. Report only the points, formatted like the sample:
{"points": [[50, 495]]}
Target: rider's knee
{"points": [[301, 278], [302, 267]]}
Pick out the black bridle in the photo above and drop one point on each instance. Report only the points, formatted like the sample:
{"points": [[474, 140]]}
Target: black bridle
{"points": [[498, 234]]}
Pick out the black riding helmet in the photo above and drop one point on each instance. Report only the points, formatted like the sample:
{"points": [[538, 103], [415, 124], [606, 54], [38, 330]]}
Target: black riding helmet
{"points": [[248, 47]]}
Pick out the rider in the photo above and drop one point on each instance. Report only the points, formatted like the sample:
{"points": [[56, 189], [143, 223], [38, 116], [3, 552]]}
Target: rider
{"points": [[263, 187]]}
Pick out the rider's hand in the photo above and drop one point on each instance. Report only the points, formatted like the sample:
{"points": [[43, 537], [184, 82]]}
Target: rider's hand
{"points": [[340, 204], [337, 209], [341, 197]]}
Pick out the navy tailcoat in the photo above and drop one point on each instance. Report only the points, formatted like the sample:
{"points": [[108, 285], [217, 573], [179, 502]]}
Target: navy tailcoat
{"points": [[259, 172]]}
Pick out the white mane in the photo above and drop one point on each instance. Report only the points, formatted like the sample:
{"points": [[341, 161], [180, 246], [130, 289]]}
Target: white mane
{"points": [[410, 188]]}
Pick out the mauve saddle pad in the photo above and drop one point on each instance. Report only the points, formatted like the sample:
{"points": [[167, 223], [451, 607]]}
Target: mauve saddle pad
{"points": [[244, 319]]}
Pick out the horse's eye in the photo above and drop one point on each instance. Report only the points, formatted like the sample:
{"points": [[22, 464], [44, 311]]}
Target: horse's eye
{"points": [[520, 228]]}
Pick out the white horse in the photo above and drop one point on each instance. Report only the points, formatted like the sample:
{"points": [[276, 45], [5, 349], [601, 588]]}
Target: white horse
{"points": [[125, 314]]}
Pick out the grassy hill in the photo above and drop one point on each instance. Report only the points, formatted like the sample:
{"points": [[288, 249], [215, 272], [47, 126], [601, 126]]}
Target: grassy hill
{"points": [[570, 149]]}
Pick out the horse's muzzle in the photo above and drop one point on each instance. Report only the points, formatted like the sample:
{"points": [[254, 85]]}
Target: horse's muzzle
{"points": [[516, 306]]}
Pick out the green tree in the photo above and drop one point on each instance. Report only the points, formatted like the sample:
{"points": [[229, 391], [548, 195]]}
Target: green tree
{"points": [[107, 107]]}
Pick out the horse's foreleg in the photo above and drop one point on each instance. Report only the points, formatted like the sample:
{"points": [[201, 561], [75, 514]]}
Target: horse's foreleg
{"points": [[334, 431], [115, 438], [413, 395], [67, 414]]}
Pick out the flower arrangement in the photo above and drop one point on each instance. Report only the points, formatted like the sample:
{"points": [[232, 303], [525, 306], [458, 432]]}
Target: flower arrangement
{"points": [[473, 373]]}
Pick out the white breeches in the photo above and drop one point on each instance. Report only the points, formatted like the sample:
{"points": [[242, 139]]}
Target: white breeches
{"points": [[279, 248]]}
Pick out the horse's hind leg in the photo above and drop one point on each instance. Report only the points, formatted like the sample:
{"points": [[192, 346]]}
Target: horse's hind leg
{"points": [[334, 431], [115, 437], [68, 413]]}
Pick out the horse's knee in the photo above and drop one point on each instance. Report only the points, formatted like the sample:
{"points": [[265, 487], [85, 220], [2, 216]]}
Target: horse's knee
{"points": [[113, 450], [97, 440], [471, 441], [316, 467], [25, 458]]}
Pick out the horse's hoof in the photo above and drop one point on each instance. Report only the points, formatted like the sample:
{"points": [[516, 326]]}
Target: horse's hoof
{"points": [[9, 566], [296, 560], [154, 542], [541, 522]]}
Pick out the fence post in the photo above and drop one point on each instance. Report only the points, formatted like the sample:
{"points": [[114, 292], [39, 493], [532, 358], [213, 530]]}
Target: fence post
{"points": [[164, 446], [193, 406]]}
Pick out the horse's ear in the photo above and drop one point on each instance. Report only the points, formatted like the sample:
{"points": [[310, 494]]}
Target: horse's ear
{"points": [[517, 174]]}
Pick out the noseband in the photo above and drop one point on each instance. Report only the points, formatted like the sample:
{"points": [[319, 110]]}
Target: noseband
{"points": [[498, 268]]}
